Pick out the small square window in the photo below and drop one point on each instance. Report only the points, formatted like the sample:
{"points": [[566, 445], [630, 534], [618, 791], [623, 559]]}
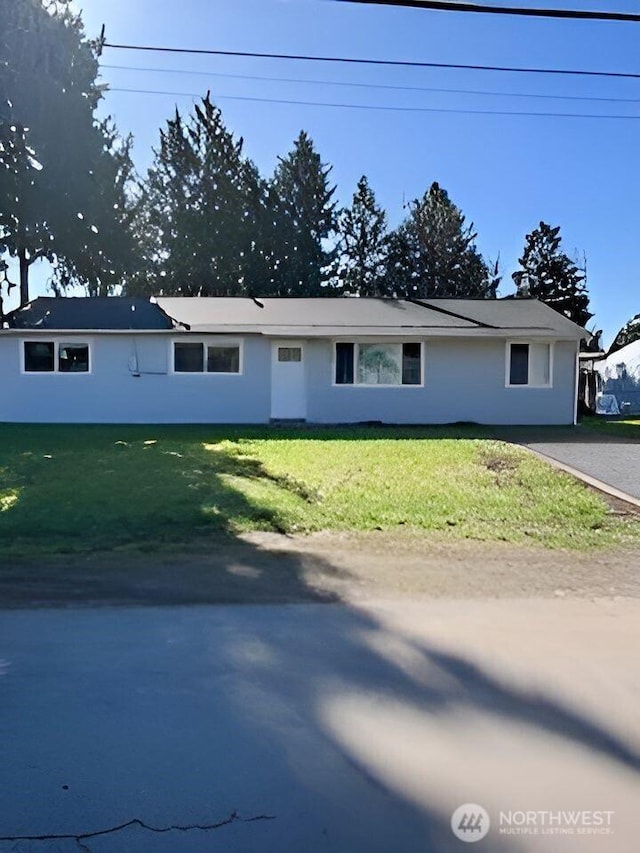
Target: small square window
{"points": [[39, 356], [73, 358], [188, 357], [223, 359], [289, 354]]}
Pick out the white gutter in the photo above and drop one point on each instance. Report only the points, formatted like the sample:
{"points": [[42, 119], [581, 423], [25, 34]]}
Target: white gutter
{"points": [[325, 332]]}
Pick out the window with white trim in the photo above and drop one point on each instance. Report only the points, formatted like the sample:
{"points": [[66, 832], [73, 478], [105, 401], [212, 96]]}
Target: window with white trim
{"points": [[201, 357], [289, 354], [55, 357], [378, 363], [529, 364]]}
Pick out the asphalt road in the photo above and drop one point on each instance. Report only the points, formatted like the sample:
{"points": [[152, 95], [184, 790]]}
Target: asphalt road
{"points": [[314, 727]]}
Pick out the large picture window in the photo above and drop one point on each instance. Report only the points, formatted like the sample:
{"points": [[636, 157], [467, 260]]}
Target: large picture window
{"points": [[202, 357], [54, 357], [529, 365], [378, 363]]}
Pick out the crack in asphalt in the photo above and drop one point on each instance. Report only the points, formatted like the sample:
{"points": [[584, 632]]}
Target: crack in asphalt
{"points": [[81, 837]]}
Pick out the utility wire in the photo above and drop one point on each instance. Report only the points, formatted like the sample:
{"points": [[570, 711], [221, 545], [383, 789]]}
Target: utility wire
{"points": [[483, 8], [387, 86], [386, 108], [386, 62]]}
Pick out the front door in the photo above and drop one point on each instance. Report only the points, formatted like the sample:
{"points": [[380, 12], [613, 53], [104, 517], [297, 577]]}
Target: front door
{"points": [[288, 392]]}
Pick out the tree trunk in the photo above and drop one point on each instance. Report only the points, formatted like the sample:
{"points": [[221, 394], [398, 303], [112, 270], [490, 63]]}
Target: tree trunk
{"points": [[24, 277]]}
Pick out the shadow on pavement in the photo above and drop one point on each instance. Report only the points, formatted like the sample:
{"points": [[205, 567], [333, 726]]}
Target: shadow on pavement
{"points": [[365, 731]]}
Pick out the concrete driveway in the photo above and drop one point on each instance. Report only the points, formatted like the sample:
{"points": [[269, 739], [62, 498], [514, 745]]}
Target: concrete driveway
{"points": [[613, 461], [309, 727]]}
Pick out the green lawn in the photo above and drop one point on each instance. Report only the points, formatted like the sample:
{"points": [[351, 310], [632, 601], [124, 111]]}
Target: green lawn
{"points": [[96, 488], [622, 427]]}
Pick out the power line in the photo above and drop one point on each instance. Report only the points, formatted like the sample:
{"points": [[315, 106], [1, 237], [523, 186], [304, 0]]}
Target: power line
{"points": [[387, 86], [483, 8], [386, 62], [386, 108]]}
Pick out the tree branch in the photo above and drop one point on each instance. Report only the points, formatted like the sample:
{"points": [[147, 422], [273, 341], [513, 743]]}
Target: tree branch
{"points": [[40, 253]]}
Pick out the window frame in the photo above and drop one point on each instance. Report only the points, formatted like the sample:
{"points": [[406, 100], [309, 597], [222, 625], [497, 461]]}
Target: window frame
{"points": [[57, 343], [356, 356], [528, 384], [289, 347], [222, 342]]}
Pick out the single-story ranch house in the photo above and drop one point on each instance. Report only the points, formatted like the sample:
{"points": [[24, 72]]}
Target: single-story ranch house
{"points": [[331, 360]]}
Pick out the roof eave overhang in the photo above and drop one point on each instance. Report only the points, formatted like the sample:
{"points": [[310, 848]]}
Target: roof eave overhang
{"points": [[320, 332], [39, 332], [386, 331]]}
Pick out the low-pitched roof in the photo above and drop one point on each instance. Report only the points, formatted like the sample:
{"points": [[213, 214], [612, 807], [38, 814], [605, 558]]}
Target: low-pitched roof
{"points": [[297, 316], [318, 317]]}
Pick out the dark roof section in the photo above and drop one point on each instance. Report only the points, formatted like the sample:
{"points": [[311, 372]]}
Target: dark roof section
{"points": [[84, 313]]}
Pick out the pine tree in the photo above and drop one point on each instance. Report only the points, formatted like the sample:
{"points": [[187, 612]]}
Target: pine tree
{"points": [[629, 333], [551, 276], [433, 253], [363, 245], [201, 211], [62, 172], [305, 218], [108, 254]]}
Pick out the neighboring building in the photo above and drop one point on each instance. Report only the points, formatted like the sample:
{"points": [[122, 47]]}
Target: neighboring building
{"points": [[620, 381], [330, 360], [589, 381]]}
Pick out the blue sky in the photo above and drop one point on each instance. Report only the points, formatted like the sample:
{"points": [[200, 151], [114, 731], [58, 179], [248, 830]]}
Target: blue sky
{"points": [[506, 173]]}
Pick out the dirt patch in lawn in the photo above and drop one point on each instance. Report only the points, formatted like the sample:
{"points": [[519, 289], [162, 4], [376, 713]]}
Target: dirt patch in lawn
{"points": [[268, 567]]}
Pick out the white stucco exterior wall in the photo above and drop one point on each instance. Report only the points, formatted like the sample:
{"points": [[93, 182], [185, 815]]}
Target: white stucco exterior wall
{"points": [[464, 380], [112, 392]]}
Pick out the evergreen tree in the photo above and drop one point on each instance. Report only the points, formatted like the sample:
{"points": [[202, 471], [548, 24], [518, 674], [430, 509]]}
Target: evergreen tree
{"points": [[109, 253], [629, 333], [433, 253], [202, 212], [305, 218], [62, 172], [551, 276], [363, 245]]}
